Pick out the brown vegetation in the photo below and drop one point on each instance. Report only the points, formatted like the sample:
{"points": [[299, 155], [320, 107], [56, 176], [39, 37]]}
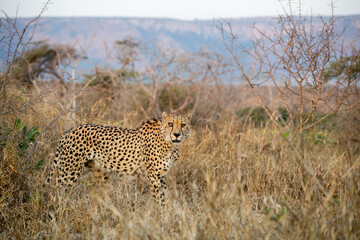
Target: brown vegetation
{"points": [[241, 175]]}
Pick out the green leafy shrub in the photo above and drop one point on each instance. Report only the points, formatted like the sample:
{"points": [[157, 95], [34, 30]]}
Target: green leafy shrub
{"points": [[173, 97], [257, 116], [21, 134]]}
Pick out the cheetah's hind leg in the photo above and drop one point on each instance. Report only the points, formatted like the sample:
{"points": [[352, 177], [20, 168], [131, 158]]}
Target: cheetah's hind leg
{"points": [[98, 174]]}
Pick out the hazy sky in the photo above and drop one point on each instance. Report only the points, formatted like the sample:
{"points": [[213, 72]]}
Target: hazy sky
{"points": [[180, 9]]}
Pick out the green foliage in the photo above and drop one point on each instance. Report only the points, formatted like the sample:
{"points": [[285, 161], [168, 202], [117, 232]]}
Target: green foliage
{"points": [[257, 116], [21, 134], [173, 97], [28, 136], [286, 134], [104, 77], [284, 115], [276, 217], [39, 164], [127, 52], [316, 118], [41, 59], [348, 66], [317, 137]]}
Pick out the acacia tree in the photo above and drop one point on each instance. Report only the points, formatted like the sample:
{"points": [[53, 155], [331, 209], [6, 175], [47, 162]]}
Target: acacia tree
{"points": [[294, 55], [43, 60], [349, 65]]}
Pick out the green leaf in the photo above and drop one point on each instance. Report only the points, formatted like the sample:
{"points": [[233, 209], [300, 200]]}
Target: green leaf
{"points": [[266, 211], [18, 124], [39, 164], [23, 146], [286, 134], [32, 134]]}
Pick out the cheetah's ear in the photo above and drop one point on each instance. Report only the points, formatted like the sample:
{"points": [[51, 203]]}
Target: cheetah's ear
{"points": [[164, 115], [188, 115]]}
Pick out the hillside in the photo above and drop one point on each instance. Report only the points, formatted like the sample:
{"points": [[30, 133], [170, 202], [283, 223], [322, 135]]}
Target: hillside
{"points": [[93, 33]]}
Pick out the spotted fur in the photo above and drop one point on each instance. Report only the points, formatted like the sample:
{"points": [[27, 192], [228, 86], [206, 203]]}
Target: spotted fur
{"points": [[151, 148]]}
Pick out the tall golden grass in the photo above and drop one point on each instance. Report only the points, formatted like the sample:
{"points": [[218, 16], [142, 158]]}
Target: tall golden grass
{"points": [[233, 181]]}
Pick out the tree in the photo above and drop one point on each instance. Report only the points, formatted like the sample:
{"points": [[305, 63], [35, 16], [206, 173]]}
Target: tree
{"points": [[153, 79], [43, 60], [294, 55], [348, 66]]}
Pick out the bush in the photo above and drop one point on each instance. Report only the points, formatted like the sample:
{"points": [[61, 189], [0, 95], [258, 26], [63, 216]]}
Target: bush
{"points": [[21, 134], [257, 116], [175, 96]]}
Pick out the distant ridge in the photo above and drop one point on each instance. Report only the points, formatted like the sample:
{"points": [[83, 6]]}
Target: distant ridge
{"points": [[189, 36]]}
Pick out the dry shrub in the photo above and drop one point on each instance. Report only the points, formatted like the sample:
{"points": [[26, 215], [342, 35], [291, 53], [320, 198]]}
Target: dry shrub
{"points": [[233, 180], [227, 184]]}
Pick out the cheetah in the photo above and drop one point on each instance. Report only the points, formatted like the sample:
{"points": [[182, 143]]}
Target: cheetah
{"points": [[152, 148]]}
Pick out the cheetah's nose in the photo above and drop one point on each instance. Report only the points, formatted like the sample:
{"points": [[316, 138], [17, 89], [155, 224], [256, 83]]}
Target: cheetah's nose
{"points": [[176, 134]]}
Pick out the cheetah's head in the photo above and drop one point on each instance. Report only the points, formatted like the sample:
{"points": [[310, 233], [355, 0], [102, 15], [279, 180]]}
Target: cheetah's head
{"points": [[175, 127]]}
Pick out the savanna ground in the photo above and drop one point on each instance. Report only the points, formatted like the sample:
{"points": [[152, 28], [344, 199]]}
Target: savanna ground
{"points": [[234, 180], [241, 175]]}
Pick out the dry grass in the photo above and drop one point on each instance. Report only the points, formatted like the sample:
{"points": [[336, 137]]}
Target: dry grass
{"points": [[233, 180], [228, 184]]}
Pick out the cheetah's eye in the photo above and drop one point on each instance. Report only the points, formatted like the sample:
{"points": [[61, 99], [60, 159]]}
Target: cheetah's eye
{"points": [[183, 125], [170, 124]]}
